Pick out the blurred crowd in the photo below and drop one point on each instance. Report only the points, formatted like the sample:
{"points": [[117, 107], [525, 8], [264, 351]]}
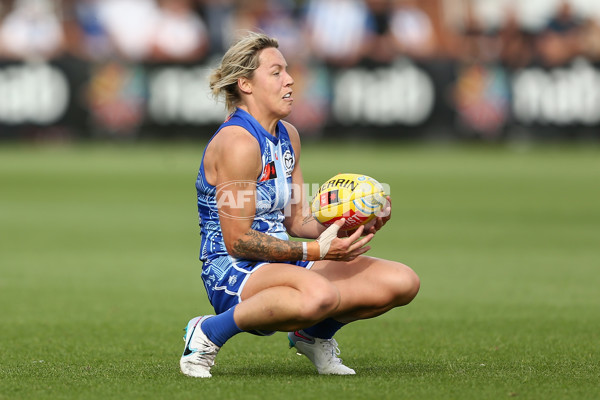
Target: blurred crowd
{"points": [[335, 32]]}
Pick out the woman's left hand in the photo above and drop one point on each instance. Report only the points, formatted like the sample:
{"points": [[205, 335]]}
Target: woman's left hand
{"points": [[377, 223]]}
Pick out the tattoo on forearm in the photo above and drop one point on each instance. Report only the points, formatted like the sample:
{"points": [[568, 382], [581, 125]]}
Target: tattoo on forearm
{"points": [[261, 246]]}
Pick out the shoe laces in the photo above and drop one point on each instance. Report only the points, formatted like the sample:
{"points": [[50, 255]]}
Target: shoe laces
{"points": [[205, 353], [331, 347]]}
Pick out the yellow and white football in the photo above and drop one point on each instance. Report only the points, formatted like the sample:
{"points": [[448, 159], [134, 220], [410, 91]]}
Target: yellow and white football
{"points": [[358, 198]]}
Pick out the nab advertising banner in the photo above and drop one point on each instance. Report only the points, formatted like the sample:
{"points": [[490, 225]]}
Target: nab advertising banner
{"points": [[114, 99], [33, 93]]}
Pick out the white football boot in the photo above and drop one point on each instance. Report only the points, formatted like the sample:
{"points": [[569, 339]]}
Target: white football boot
{"points": [[323, 353], [199, 352]]}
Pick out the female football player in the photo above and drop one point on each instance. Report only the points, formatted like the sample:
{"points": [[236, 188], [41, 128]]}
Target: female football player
{"points": [[257, 280]]}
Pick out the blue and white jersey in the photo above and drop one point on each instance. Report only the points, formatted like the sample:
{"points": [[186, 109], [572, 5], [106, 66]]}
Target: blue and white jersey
{"points": [[273, 192]]}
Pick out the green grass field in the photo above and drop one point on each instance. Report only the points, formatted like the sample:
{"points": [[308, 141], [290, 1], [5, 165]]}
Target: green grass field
{"points": [[99, 275]]}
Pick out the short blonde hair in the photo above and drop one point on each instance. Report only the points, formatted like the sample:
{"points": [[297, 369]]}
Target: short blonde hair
{"points": [[240, 61]]}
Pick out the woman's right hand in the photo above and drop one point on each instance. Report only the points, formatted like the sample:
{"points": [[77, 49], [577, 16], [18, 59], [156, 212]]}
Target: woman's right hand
{"points": [[342, 249]]}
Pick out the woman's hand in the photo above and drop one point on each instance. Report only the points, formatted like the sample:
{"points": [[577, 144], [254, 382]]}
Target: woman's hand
{"points": [[382, 218], [376, 223], [342, 249]]}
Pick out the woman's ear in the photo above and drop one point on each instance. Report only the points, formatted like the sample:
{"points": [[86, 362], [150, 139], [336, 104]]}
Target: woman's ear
{"points": [[244, 85]]}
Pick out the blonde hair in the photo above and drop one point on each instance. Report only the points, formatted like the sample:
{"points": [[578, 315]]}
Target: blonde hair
{"points": [[240, 61]]}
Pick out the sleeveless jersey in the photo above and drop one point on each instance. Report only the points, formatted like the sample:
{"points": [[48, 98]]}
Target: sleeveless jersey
{"points": [[273, 192]]}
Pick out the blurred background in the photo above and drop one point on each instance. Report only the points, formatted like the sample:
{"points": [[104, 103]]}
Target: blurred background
{"points": [[483, 70]]}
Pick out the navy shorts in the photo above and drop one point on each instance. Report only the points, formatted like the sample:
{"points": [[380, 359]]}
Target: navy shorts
{"points": [[225, 291]]}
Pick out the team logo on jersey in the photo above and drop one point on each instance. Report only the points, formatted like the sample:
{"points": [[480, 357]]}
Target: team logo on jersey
{"points": [[288, 162]]}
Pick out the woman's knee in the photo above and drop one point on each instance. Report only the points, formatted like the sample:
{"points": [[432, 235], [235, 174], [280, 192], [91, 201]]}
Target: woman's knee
{"points": [[319, 300], [406, 285], [398, 285]]}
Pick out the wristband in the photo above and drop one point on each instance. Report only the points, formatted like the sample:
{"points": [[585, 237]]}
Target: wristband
{"points": [[304, 251]]}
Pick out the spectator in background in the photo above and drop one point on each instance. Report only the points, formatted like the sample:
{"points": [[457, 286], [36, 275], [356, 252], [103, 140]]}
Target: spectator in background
{"points": [[516, 50], [217, 14], [559, 43], [482, 90], [563, 21], [180, 35], [590, 40], [248, 15], [4, 8], [337, 30], [32, 30], [476, 45], [412, 30], [275, 19], [167, 31], [113, 36], [379, 46], [130, 25], [87, 35]]}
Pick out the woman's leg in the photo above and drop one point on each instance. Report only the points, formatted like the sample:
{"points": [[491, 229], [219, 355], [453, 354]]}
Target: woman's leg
{"points": [[275, 297], [287, 297], [368, 286], [284, 297]]}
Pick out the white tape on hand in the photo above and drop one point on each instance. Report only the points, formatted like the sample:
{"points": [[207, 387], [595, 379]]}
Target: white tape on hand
{"points": [[326, 238]]}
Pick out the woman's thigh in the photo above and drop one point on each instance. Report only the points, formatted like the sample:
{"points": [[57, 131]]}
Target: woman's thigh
{"points": [[283, 275], [368, 282]]}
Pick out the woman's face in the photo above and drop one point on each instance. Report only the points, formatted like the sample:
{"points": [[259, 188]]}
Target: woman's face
{"points": [[271, 84]]}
